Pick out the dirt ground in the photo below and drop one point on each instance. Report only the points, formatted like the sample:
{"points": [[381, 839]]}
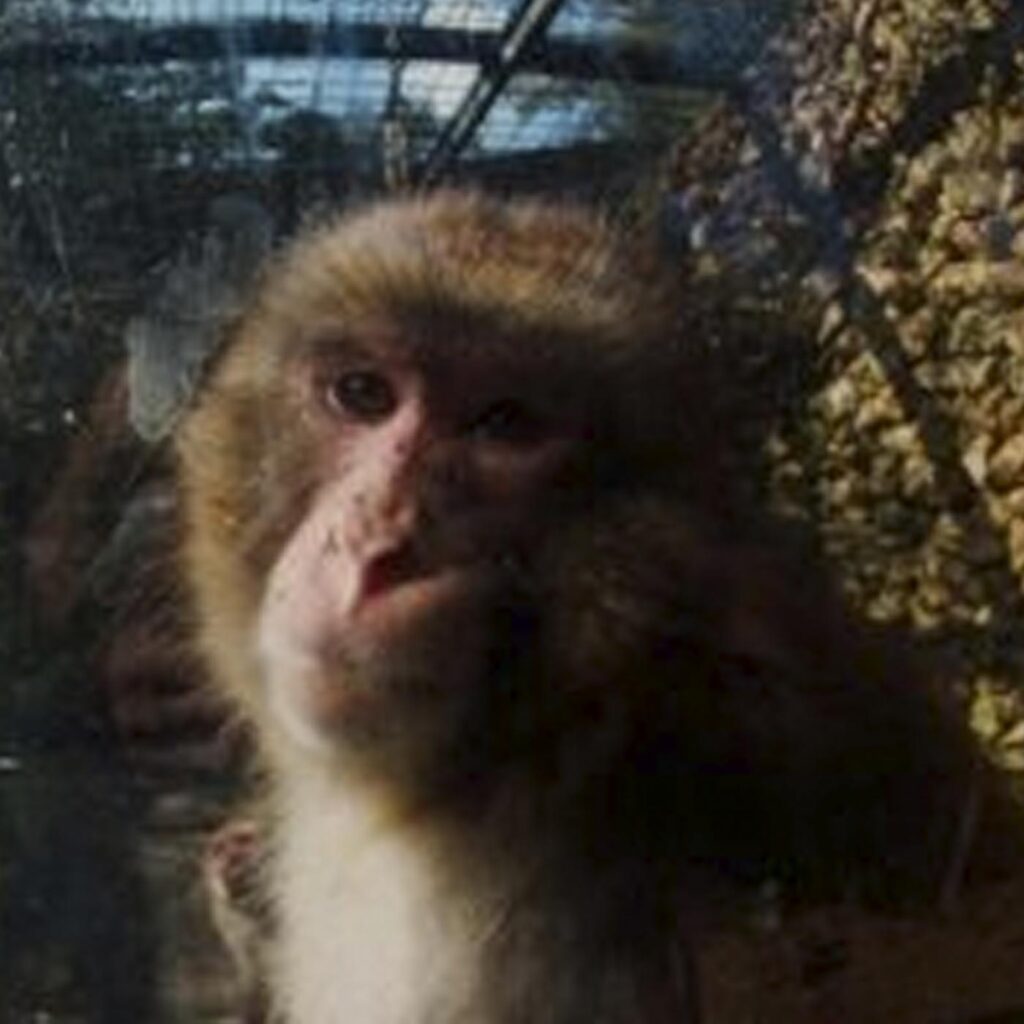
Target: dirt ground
{"points": [[839, 965]]}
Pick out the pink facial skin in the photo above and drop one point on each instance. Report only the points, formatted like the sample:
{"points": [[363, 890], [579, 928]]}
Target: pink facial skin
{"points": [[378, 593]]}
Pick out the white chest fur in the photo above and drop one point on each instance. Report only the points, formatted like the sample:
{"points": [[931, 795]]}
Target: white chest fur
{"points": [[364, 937]]}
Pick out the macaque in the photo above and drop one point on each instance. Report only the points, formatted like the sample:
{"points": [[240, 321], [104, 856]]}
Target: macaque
{"points": [[232, 865], [101, 573], [526, 708]]}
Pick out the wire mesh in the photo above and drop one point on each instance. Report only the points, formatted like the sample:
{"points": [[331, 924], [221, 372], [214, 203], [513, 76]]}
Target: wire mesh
{"points": [[123, 125], [235, 71]]}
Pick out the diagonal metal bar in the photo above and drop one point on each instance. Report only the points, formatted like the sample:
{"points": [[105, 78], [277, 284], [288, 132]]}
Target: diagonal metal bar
{"points": [[525, 28]]}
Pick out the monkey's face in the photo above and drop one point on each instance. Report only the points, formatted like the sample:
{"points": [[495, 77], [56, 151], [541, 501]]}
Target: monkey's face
{"points": [[417, 402], [428, 479]]}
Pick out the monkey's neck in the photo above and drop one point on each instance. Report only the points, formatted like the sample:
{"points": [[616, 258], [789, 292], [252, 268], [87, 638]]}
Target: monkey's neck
{"points": [[402, 920]]}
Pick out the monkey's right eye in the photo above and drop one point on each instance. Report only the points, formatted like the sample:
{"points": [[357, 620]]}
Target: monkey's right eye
{"points": [[361, 394]]}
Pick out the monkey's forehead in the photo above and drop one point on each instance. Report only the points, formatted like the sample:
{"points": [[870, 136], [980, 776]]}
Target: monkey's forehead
{"points": [[461, 258]]}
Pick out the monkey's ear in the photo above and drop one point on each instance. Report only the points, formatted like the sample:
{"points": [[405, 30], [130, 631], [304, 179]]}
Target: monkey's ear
{"points": [[205, 288]]}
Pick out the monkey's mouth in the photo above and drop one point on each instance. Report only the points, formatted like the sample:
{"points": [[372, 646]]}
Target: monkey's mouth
{"points": [[392, 569], [402, 585]]}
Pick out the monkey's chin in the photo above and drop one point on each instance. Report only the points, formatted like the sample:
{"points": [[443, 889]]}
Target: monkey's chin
{"points": [[396, 664], [301, 701]]}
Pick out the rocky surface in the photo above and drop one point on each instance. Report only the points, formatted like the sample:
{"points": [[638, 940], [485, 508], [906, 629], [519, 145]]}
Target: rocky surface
{"points": [[864, 193]]}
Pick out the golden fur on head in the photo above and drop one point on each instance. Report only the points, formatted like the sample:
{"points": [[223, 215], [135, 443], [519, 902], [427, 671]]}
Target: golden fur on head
{"points": [[527, 266]]}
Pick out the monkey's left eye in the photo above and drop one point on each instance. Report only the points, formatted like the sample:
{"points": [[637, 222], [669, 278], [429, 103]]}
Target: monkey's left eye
{"points": [[510, 421], [362, 394]]}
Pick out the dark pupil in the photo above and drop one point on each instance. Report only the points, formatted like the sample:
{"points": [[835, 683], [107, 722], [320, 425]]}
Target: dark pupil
{"points": [[509, 420], [364, 394]]}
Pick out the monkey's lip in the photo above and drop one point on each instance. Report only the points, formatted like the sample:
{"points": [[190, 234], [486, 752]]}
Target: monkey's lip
{"points": [[392, 569], [400, 585]]}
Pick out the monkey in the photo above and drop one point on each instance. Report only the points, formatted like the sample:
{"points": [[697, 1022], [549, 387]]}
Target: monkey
{"points": [[102, 580], [232, 865], [526, 707], [99, 550]]}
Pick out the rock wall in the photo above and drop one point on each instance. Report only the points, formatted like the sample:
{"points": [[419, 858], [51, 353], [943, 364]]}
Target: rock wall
{"points": [[854, 227]]}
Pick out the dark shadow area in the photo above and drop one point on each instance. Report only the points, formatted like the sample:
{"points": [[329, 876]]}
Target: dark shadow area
{"points": [[75, 924]]}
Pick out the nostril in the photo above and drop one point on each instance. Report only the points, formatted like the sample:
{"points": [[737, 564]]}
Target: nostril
{"points": [[392, 568]]}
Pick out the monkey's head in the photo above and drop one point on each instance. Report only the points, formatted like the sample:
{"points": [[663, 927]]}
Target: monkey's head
{"points": [[417, 402]]}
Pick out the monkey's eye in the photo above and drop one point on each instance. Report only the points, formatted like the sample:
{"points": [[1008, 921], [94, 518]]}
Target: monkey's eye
{"points": [[510, 421], [362, 394]]}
